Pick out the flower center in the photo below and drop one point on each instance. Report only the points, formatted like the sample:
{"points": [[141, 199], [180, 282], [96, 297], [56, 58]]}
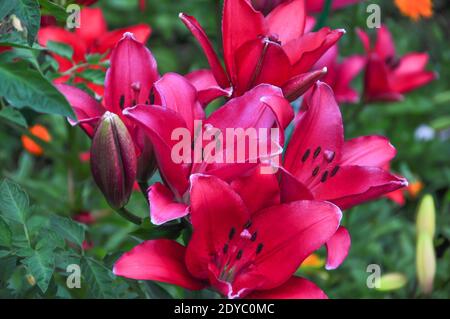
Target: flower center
{"points": [[321, 164]]}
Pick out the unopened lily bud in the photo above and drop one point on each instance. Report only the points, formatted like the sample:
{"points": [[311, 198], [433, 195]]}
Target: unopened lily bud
{"points": [[391, 281], [113, 160], [425, 262], [426, 216]]}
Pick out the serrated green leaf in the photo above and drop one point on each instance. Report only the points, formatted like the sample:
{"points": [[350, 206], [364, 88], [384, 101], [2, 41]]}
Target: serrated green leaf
{"points": [[14, 116], [99, 278], [24, 87], [14, 202], [5, 234], [40, 263], [30, 16], [68, 229], [61, 49]]}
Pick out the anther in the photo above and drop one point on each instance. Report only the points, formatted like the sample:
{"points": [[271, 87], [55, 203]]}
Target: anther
{"points": [[225, 248], [122, 101], [253, 238], [239, 254], [248, 224]]}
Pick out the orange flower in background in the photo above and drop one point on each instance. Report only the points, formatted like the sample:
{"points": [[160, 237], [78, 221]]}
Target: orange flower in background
{"points": [[414, 188], [415, 9], [42, 133], [313, 261]]}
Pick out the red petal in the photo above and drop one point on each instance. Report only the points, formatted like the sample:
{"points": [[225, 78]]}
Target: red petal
{"points": [[160, 260], [353, 185], [307, 50], [131, 75], [384, 45], [292, 11], [337, 248], [215, 209], [347, 71], [409, 82], [318, 131], [87, 110], [367, 151], [254, 196], [292, 189], [176, 93], [57, 34], [315, 6], [294, 288], [240, 23], [364, 39], [206, 86], [198, 32], [110, 39], [260, 61], [159, 123], [92, 25], [163, 207], [289, 233]]}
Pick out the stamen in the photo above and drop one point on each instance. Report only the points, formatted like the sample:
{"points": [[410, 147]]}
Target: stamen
{"points": [[248, 224], [306, 155], [317, 152], [315, 171], [329, 155], [246, 234], [225, 248], [324, 177], [253, 238], [334, 171]]}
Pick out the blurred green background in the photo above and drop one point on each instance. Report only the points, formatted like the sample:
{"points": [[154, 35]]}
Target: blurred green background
{"points": [[383, 232]]}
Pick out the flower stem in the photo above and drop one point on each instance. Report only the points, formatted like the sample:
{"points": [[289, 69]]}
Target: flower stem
{"points": [[129, 216]]}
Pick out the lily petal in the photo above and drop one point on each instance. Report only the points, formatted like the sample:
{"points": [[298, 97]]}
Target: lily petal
{"points": [[92, 25], [384, 44], [368, 151], [163, 207], [160, 260], [109, 40], [206, 86], [294, 288], [292, 11], [213, 60], [337, 248]]}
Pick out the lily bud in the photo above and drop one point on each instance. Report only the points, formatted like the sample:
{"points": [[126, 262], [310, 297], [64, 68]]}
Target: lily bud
{"points": [[113, 160], [391, 281], [426, 216], [425, 262]]}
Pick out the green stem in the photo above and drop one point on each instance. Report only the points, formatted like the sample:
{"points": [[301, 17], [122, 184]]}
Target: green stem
{"points": [[324, 15], [143, 186], [129, 216]]}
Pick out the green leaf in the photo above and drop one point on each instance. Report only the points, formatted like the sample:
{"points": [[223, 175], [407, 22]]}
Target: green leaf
{"points": [[5, 234], [23, 87], [53, 9], [149, 231], [99, 278], [61, 49], [5, 8], [14, 116], [40, 263], [14, 202], [95, 76], [68, 229], [30, 16]]}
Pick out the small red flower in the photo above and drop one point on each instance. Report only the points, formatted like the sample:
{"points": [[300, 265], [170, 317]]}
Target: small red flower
{"points": [[239, 252], [388, 77], [257, 49]]}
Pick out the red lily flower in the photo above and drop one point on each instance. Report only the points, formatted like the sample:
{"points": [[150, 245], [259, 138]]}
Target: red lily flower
{"points": [[257, 49], [388, 77], [238, 252], [340, 75], [319, 164], [312, 6], [261, 107], [129, 81], [92, 37]]}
